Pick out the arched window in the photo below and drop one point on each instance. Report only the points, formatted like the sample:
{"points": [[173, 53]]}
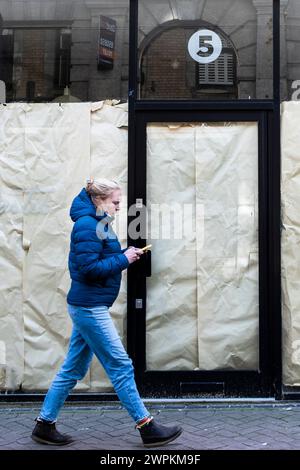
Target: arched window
{"points": [[167, 71]]}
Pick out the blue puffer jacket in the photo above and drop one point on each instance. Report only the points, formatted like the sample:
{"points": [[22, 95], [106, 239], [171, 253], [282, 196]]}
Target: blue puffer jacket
{"points": [[96, 259]]}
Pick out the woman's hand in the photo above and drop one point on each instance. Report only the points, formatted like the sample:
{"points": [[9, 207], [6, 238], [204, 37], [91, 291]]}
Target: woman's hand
{"points": [[133, 254]]}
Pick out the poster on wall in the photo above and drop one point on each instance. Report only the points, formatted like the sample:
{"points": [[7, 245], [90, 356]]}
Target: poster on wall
{"points": [[106, 44]]}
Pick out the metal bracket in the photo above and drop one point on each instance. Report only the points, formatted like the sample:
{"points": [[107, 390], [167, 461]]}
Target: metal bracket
{"points": [[139, 203], [138, 303]]}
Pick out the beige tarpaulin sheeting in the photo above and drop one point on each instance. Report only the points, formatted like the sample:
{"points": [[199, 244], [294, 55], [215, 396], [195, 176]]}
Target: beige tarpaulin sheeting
{"points": [[227, 251], [171, 339], [202, 299], [57, 156], [109, 160], [290, 193], [48, 152]]}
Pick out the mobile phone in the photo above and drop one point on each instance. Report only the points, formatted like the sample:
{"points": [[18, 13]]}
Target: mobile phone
{"points": [[146, 248]]}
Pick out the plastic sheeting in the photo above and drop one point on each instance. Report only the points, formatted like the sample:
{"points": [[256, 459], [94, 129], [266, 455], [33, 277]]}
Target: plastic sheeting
{"points": [[57, 156], [48, 152], [206, 274], [202, 303], [290, 194]]}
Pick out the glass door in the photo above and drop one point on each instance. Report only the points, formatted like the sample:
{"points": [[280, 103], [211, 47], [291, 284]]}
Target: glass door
{"points": [[200, 312]]}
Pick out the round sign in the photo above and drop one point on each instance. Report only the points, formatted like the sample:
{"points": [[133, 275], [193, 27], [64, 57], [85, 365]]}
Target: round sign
{"points": [[205, 46]]}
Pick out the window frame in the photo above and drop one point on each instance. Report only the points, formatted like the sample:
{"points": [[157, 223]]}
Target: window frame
{"points": [[271, 280]]}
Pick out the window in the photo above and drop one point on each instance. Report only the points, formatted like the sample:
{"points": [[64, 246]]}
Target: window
{"points": [[64, 50], [63, 59]]}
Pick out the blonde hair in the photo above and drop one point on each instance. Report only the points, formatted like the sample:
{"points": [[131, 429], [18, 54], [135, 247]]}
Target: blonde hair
{"points": [[101, 187]]}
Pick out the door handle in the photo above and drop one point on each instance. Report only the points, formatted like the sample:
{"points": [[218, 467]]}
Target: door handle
{"points": [[147, 263]]}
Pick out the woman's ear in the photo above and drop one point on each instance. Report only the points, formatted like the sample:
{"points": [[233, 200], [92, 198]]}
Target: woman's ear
{"points": [[97, 201]]}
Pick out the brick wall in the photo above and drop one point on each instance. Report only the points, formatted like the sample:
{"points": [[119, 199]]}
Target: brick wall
{"points": [[165, 67]]}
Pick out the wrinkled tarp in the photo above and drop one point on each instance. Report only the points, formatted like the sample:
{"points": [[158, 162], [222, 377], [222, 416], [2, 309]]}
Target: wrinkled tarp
{"points": [[12, 177], [207, 278], [290, 242]]}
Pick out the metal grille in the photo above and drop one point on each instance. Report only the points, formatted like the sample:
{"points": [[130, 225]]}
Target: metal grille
{"points": [[220, 72]]}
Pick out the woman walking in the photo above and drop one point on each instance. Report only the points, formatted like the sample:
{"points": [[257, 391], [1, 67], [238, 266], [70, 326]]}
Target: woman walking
{"points": [[96, 262]]}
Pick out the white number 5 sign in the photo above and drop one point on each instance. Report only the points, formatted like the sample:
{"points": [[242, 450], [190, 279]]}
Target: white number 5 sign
{"points": [[205, 46]]}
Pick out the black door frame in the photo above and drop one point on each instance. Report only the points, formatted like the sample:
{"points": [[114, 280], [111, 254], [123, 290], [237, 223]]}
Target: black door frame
{"points": [[272, 263], [267, 382]]}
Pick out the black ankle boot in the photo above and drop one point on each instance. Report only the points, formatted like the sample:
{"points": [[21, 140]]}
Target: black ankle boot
{"points": [[46, 433], [154, 434]]}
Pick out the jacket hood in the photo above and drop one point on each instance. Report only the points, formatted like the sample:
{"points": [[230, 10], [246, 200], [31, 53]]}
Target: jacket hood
{"points": [[82, 205]]}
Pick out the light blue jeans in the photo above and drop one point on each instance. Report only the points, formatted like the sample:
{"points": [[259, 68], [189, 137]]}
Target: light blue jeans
{"points": [[94, 333]]}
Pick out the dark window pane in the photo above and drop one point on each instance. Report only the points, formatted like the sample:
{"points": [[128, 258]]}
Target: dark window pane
{"points": [[221, 49], [64, 50]]}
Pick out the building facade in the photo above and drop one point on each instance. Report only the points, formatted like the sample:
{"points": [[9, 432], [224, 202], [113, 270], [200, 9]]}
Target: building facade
{"points": [[203, 81]]}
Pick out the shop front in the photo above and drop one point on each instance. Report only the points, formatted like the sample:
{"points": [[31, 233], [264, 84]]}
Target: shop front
{"points": [[179, 101]]}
